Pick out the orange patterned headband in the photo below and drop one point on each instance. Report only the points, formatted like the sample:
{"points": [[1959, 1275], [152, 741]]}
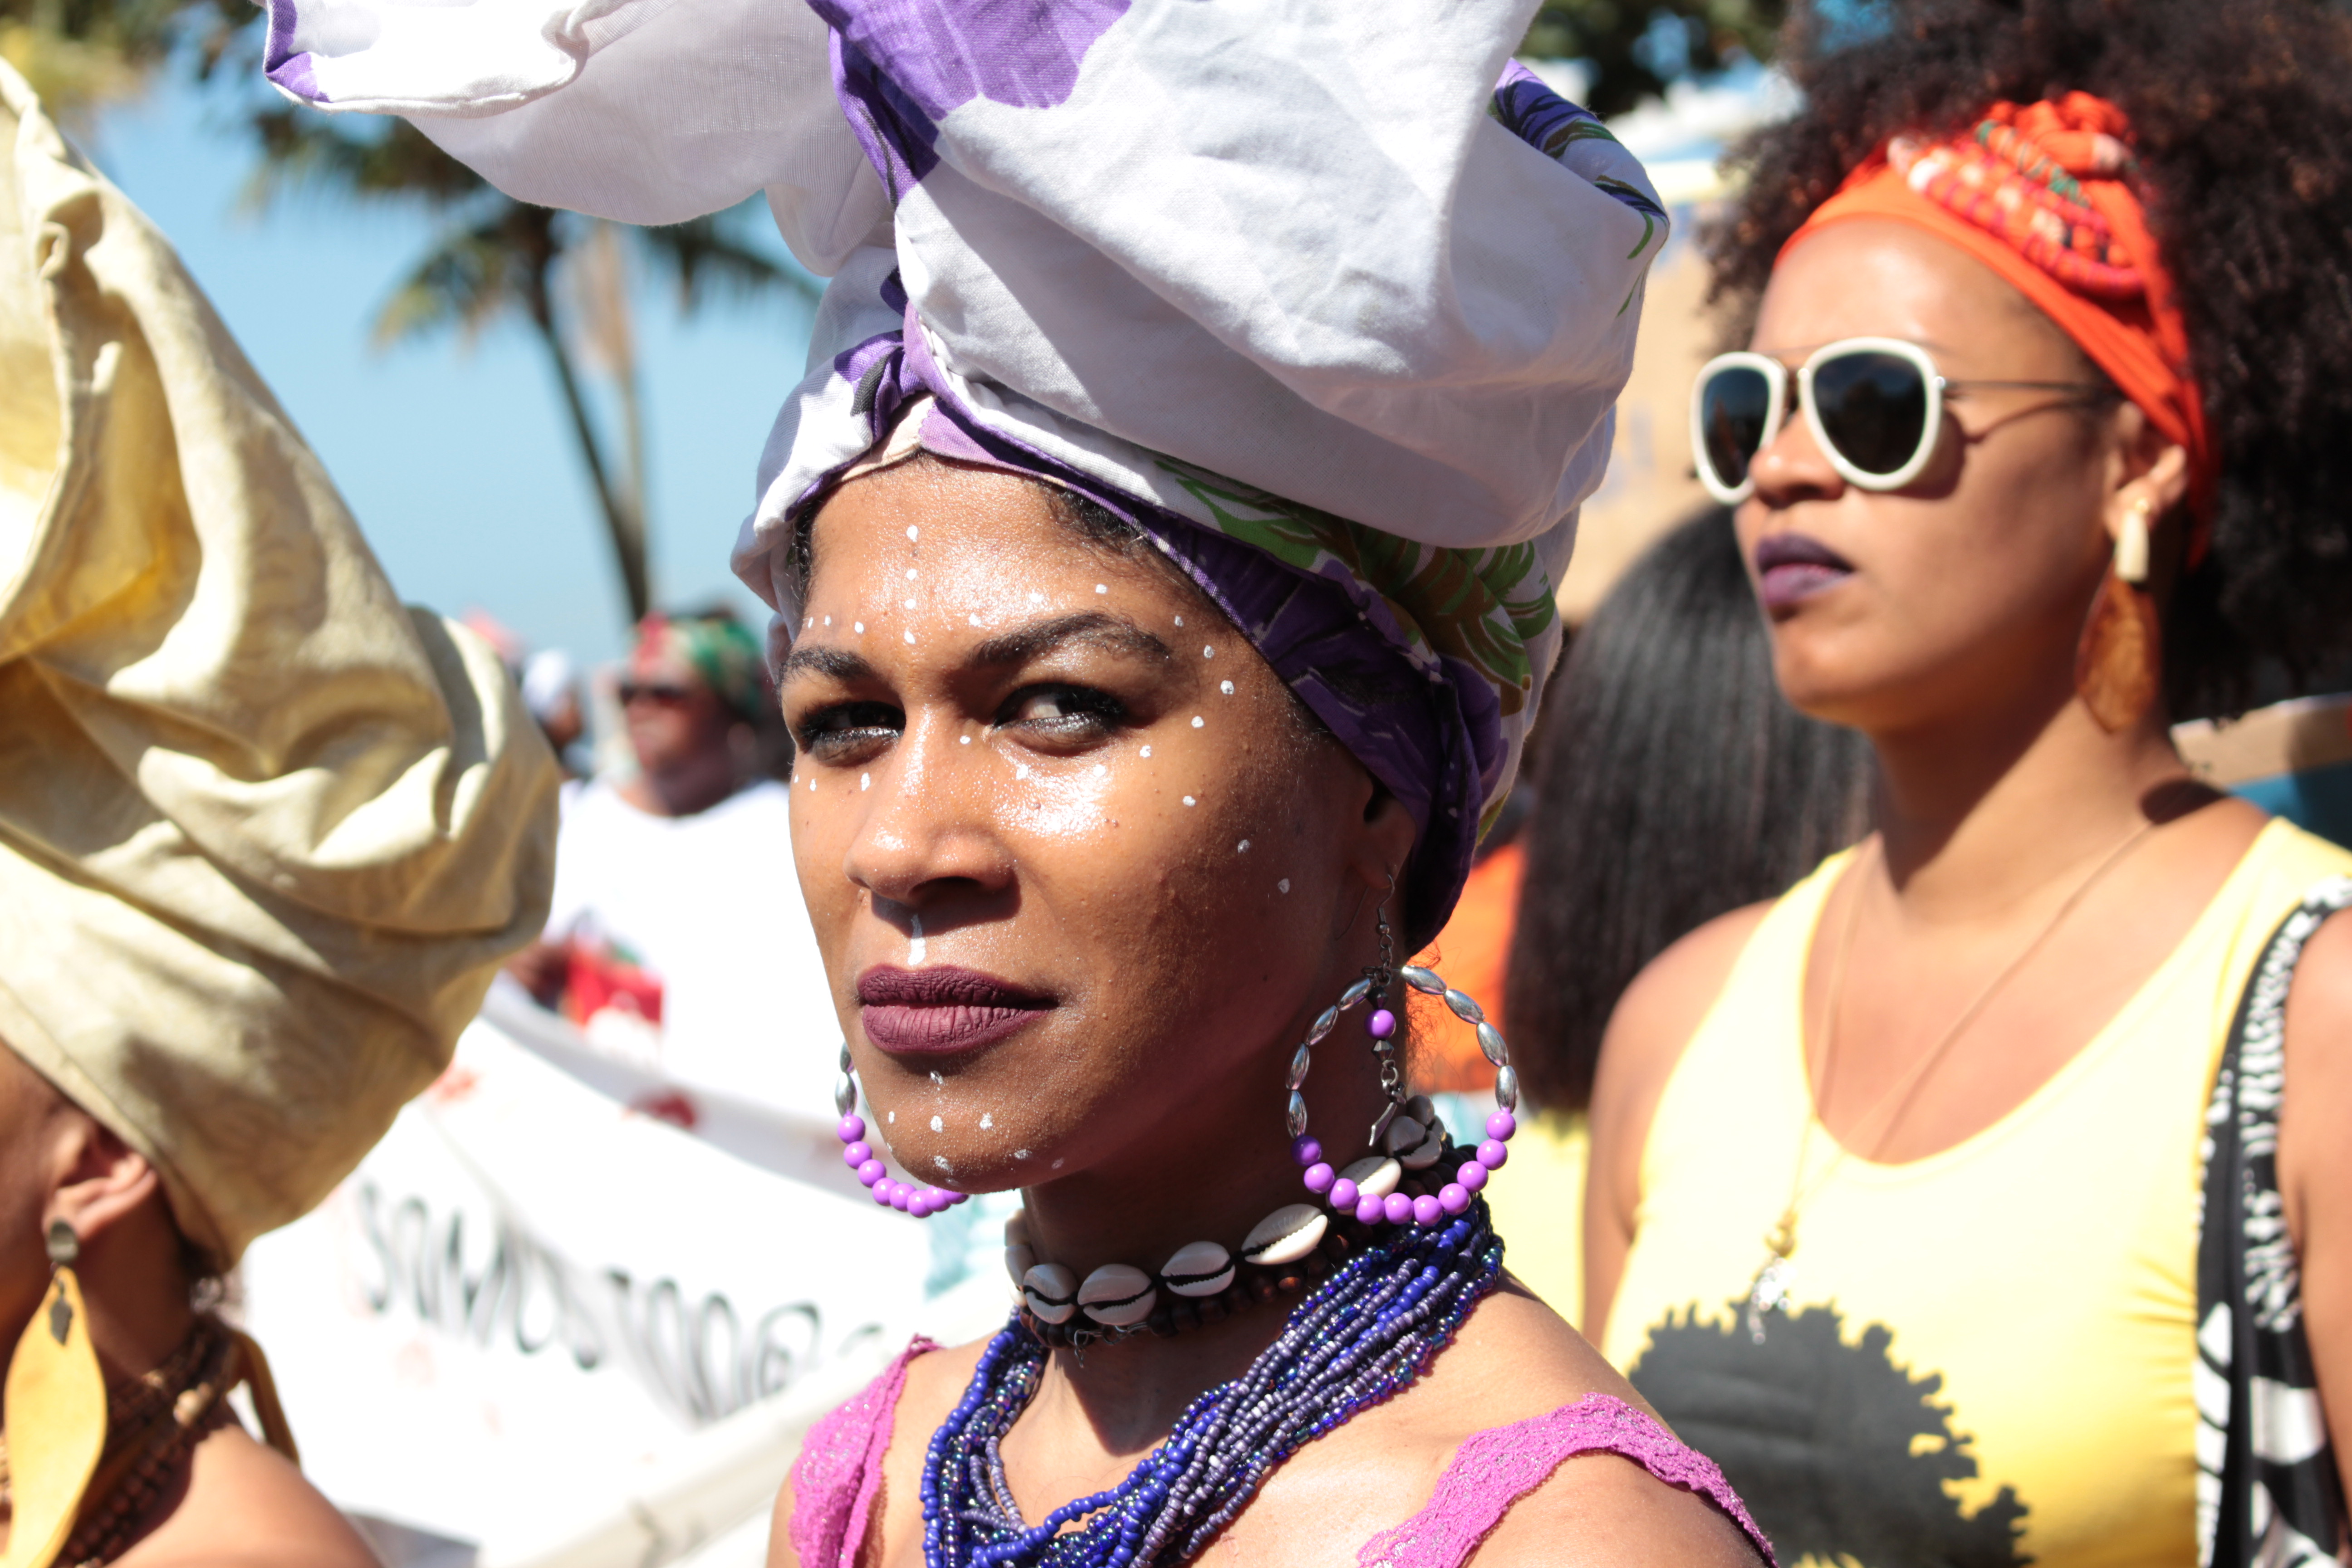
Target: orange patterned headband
{"points": [[2043, 194]]}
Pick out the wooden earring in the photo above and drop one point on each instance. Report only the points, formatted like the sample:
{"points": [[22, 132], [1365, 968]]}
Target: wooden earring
{"points": [[2119, 663]]}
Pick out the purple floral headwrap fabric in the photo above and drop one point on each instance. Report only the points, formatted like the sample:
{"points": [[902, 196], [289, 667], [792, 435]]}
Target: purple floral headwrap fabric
{"points": [[1333, 303]]}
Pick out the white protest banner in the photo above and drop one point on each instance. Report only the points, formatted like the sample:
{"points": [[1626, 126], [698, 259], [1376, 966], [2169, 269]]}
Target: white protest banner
{"points": [[557, 1277]]}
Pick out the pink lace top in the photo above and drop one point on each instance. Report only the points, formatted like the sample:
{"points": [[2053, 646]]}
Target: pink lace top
{"points": [[840, 1470]]}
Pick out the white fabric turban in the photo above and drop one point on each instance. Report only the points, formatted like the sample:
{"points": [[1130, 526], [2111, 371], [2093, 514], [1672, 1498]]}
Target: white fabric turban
{"points": [[1334, 286], [264, 833]]}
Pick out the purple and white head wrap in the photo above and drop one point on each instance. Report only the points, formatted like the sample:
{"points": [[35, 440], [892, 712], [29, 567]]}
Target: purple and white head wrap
{"points": [[1333, 302]]}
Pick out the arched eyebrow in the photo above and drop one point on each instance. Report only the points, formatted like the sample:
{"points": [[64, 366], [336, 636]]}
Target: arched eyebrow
{"points": [[837, 662], [1039, 639], [1018, 646]]}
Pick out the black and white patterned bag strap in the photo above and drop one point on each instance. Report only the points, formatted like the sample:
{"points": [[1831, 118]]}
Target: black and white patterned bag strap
{"points": [[2268, 1494]]}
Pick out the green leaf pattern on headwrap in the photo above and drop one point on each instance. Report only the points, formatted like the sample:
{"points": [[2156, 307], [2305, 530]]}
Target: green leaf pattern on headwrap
{"points": [[1484, 607]]}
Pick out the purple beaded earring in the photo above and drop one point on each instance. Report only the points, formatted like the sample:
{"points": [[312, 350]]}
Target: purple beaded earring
{"points": [[1409, 1138], [921, 1202]]}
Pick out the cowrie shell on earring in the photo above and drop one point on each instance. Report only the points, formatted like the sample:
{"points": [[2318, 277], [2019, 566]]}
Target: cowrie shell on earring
{"points": [[1375, 1176], [1424, 1154], [1403, 1134]]}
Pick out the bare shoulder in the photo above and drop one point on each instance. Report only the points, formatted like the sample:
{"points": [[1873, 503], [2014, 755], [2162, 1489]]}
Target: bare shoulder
{"points": [[1513, 1360], [246, 1507], [1653, 1021], [2320, 1005], [2312, 1156], [1518, 1359], [1610, 1512], [934, 1384]]}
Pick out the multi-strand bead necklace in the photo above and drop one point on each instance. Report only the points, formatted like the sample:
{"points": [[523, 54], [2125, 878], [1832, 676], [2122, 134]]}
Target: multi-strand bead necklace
{"points": [[1368, 1331]]}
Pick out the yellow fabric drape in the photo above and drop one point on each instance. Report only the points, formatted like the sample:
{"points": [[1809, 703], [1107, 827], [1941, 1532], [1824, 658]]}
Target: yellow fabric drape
{"points": [[264, 832]]}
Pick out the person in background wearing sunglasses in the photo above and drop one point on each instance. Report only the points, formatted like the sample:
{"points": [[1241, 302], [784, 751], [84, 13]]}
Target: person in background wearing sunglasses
{"points": [[664, 944], [2043, 440]]}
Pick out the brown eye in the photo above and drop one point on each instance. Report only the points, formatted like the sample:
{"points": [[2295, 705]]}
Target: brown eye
{"points": [[1062, 712], [847, 730]]}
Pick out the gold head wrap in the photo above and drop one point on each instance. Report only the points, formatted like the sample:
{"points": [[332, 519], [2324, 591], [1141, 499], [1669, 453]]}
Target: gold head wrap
{"points": [[264, 833]]}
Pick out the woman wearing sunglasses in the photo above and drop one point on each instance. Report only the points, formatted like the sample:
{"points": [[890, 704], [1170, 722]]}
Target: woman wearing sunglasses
{"points": [[2039, 444]]}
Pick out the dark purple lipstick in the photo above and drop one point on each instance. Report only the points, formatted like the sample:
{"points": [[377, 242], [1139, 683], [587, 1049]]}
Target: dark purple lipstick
{"points": [[937, 1011], [1790, 567]]}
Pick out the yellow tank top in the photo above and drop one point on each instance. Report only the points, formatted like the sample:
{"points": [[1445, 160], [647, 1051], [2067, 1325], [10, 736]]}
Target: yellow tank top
{"points": [[1987, 1353]]}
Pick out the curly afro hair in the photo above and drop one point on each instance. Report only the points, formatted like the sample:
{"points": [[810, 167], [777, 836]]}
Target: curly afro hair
{"points": [[2241, 117]]}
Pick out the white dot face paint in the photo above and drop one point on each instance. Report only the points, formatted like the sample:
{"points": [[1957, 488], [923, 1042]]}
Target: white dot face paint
{"points": [[828, 620], [1282, 886], [915, 945], [1101, 770], [987, 1120], [1209, 652], [1190, 801], [912, 533], [1021, 771], [940, 1163], [892, 1118], [1198, 721], [1226, 687], [1242, 847], [911, 639], [1036, 598], [908, 605], [859, 628], [1147, 751], [1020, 1153], [973, 619], [938, 1124], [910, 574], [938, 1081], [865, 781], [963, 739], [1180, 620], [1102, 587]]}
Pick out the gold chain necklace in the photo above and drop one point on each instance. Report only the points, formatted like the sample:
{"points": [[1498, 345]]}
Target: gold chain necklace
{"points": [[1769, 1290]]}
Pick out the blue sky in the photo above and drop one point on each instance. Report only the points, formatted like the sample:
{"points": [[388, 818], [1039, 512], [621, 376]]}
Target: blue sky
{"points": [[458, 460]]}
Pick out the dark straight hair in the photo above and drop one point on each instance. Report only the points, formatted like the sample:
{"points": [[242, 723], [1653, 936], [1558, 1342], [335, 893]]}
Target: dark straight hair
{"points": [[1673, 783]]}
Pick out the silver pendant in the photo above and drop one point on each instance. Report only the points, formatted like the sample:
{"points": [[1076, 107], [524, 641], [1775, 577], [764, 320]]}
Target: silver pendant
{"points": [[1769, 1293]]}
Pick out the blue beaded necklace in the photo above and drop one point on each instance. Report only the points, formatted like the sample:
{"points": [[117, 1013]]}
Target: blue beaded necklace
{"points": [[1369, 1331]]}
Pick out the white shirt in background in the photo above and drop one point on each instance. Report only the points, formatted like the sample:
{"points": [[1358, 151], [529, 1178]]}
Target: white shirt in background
{"points": [[710, 906]]}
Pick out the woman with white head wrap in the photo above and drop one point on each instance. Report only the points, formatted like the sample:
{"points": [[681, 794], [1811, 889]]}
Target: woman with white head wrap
{"points": [[264, 835], [1162, 545]]}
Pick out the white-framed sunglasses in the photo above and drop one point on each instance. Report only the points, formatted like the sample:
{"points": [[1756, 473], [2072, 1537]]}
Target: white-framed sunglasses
{"points": [[1875, 406]]}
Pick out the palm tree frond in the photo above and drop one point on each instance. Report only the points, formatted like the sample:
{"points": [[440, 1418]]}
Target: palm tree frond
{"points": [[466, 281]]}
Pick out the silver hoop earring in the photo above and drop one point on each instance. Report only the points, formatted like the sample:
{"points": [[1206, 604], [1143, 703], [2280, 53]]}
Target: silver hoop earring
{"points": [[1408, 1135]]}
